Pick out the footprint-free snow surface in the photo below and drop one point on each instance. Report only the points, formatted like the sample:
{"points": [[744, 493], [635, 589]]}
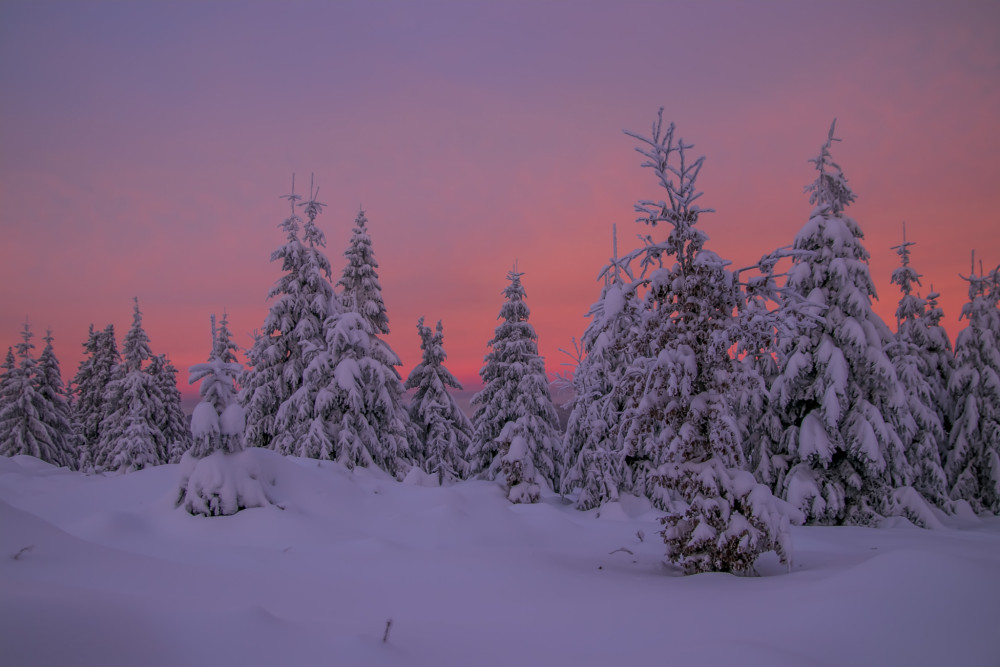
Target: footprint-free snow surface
{"points": [[104, 571]]}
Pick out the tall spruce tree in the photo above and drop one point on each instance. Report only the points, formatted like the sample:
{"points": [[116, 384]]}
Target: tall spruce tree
{"points": [[443, 430], [172, 421], [57, 415], [516, 426], [361, 291], [280, 410], [973, 462], [34, 419], [922, 434], [836, 391], [680, 391], [8, 390], [130, 434], [88, 387], [764, 321], [593, 459], [940, 359]]}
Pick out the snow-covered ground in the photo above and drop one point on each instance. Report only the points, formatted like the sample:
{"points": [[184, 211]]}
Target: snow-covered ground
{"points": [[105, 571]]}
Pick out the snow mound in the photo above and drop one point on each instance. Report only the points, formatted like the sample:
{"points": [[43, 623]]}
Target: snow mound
{"points": [[222, 484]]}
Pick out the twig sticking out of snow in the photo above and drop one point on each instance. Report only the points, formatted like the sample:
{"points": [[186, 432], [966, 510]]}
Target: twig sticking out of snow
{"points": [[23, 551], [628, 551], [388, 626]]}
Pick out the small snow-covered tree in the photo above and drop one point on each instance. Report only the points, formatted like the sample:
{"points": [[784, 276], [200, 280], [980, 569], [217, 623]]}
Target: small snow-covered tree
{"points": [[218, 478], [280, 410], [836, 391], [443, 430], [130, 435], [361, 291], [516, 426], [594, 461], [973, 463], [88, 387], [217, 423], [680, 390], [921, 431], [34, 419]]}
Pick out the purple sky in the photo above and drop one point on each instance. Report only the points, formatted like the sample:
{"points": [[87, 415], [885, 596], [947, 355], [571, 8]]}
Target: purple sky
{"points": [[144, 145]]}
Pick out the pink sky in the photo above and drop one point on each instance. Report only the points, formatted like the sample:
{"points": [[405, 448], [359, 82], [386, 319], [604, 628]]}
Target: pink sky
{"points": [[144, 147]]}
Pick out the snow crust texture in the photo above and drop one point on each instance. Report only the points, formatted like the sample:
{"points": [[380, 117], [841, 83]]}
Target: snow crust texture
{"points": [[109, 566]]}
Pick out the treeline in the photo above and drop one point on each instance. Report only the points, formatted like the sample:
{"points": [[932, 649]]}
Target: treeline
{"points": [[737, 400]]}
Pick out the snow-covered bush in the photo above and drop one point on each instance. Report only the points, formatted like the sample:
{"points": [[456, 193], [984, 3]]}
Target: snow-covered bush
{"points": [[222, 484]]}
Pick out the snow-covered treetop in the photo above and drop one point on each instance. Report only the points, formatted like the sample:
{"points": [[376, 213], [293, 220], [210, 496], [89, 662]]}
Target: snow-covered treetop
{"points": [[830, 189], [136, 344], [910, 305], [514, 308], [984, 293], [313, 208], [25, 347], [362, 291], [680, 210], [223, 347], [432, 346], [934, 313]]}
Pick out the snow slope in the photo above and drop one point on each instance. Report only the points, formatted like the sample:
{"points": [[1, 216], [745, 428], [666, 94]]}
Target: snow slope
{"points": [[105, 571]]}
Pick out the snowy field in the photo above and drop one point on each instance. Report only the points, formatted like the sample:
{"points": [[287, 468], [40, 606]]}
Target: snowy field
{"points": [[104, 571]]}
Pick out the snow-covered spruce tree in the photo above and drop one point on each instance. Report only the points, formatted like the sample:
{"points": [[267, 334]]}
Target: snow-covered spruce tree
{"points": [[8, 382], [361, 291], [764, 312], [224, 348], [922, 433], [973, 463], [217, 477], [130, 435], [516, 427], [217, 423], [836, 391], [34, 419], [444, 433], [173, 423], [680, 390], [88, 386], [280, 411], [58, 416], [940, 359], [360, 419], [593, 460]]}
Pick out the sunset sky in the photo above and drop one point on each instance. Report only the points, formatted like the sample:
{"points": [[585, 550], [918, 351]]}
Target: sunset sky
{"points": [[144, 147]]}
